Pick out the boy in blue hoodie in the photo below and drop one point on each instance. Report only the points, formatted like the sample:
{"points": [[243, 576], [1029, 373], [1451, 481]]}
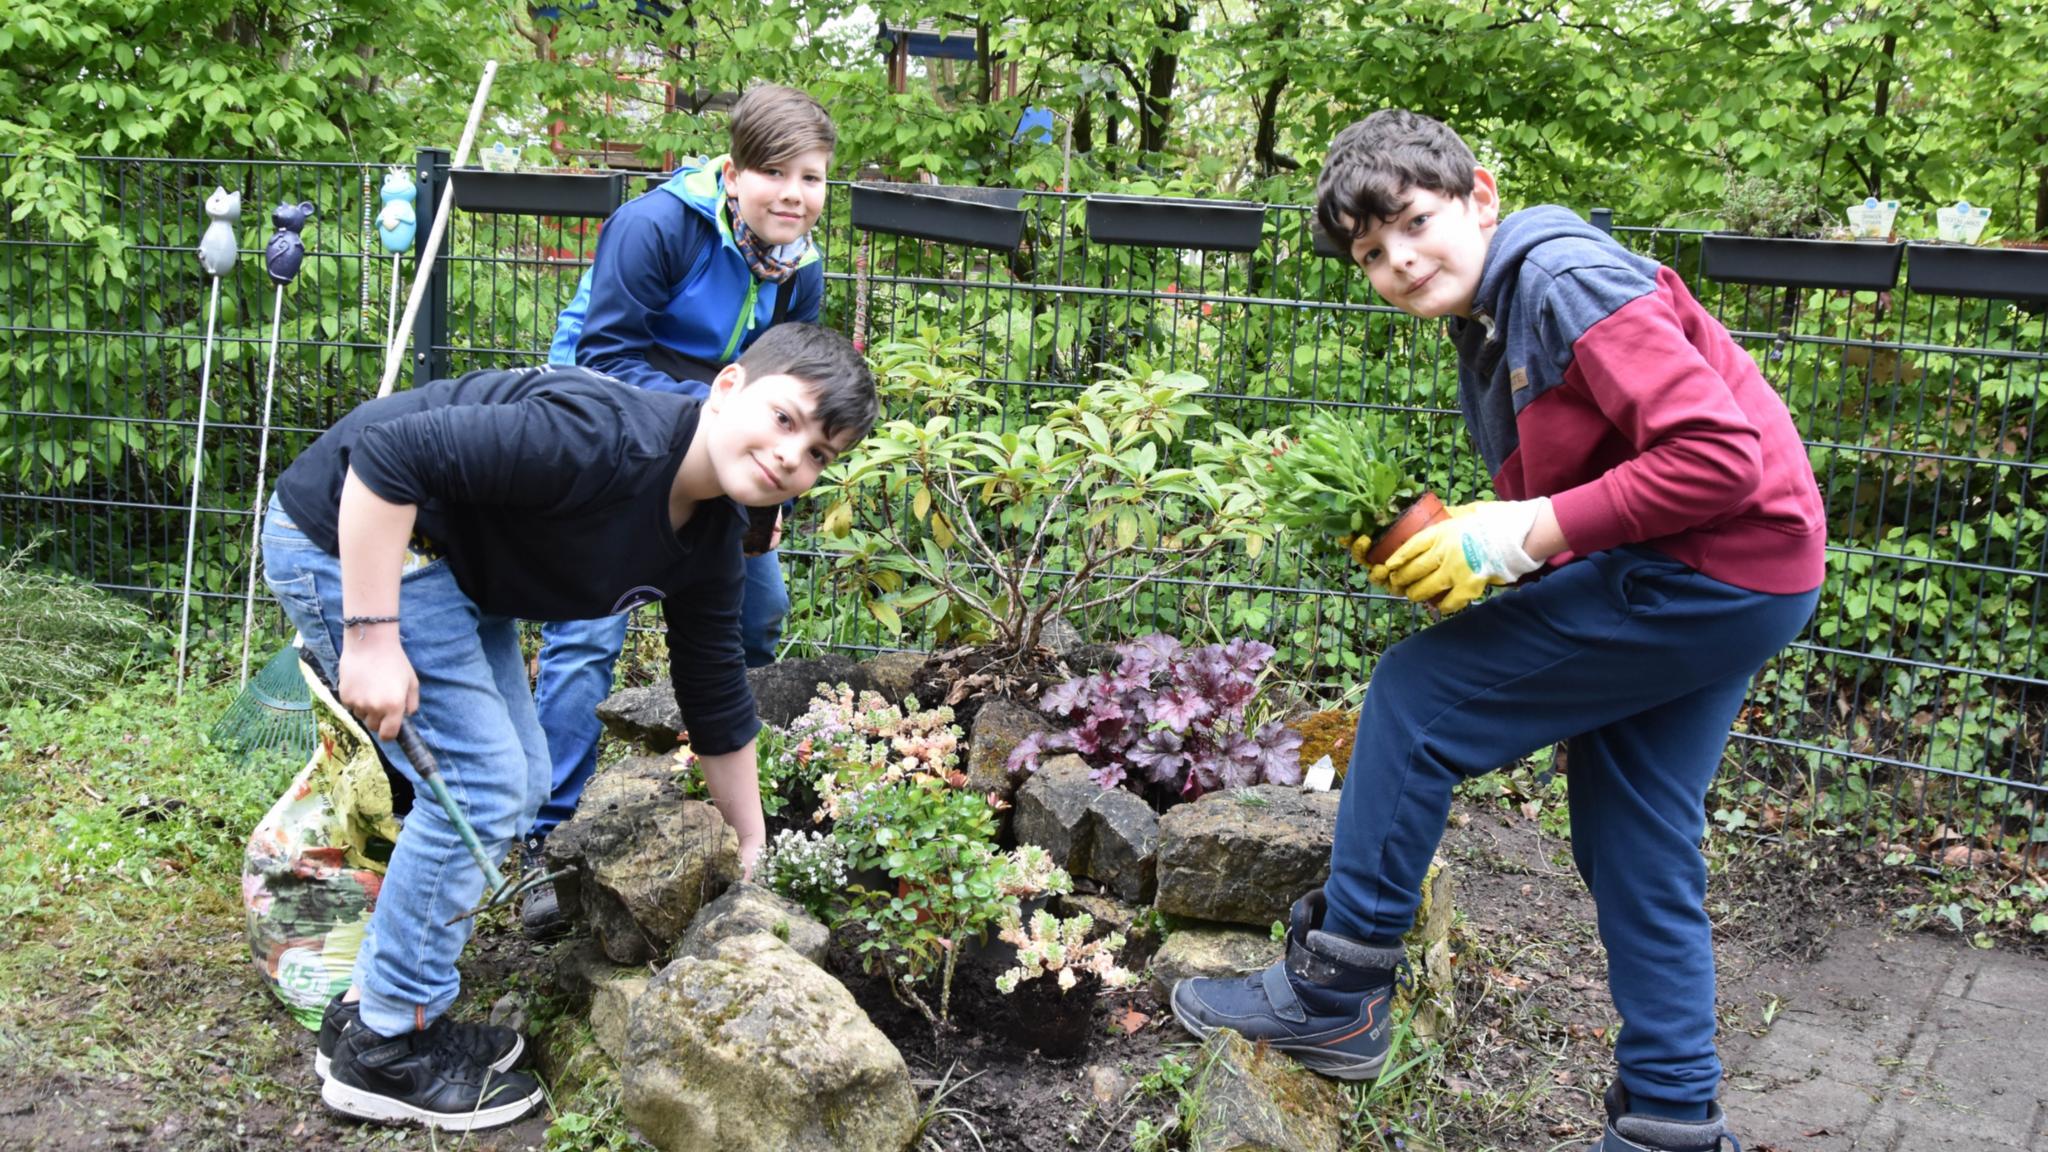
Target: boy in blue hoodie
{"points": [[408, 542], [1652, 477], [685, 278]]}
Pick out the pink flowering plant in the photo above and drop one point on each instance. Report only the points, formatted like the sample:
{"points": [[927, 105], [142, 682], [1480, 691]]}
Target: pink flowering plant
{"points": [[846, 743], [1170, 722]]}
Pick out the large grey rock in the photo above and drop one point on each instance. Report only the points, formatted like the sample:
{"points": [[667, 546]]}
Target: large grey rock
{"points": [[746, 909], [1210, 950], [1123, 839], [645, 859], [644, 717], [892, 674], [998, 728], [1244, 856], [1247, 1097], [756, 1048], [580, 965], [611, 1009], [1051, 811], [783, 691]]}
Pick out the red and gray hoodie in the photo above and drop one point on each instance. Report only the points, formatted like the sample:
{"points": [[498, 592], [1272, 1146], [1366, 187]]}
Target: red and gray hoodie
{"points": [[1590, 375]]}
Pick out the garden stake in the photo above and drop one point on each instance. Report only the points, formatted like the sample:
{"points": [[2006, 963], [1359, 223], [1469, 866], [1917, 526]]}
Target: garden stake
{"points": [[217, 250], [499, 889], [282, 257], [445, 200], [396, 224]]}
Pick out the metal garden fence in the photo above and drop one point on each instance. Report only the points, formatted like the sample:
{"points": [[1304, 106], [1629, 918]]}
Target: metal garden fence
{"points": [[1915, 703]]}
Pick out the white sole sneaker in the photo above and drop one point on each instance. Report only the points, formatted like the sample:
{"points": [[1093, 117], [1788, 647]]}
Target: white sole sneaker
{"points": [[362, 1105], [323, 1067]]}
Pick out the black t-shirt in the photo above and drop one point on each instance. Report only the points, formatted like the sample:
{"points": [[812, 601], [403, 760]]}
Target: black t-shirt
{"points": [[547, 489]]}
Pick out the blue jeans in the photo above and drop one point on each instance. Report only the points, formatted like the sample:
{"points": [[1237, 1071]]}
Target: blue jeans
{"points": [[1640, 663], [576, 659], [478, 717]]}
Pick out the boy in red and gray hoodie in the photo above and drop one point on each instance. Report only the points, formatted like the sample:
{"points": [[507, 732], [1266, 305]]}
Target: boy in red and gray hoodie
{"points": [[1654, 479]]}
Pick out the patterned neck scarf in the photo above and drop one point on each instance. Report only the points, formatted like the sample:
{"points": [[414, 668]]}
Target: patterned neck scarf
{"points": [[769, 263]]}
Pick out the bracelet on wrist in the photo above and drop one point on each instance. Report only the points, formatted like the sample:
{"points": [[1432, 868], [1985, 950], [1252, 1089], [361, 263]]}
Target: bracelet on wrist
{"points": [[361, 622]]}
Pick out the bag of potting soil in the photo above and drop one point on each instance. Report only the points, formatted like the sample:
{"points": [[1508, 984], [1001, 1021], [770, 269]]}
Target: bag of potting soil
{"points": [[313, 865]]}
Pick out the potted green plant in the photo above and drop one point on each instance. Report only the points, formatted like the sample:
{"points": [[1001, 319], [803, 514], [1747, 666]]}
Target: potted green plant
{"points": [[1771, 239], [1050, 992], [985, 531], [1956, 266], [1347, 488], [947, 214]]}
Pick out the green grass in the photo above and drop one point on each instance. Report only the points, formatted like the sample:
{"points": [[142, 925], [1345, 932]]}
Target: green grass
{"points": [[126, 988]]}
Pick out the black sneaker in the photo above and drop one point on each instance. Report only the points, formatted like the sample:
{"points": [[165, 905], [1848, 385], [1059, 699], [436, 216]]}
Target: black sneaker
{"points": [[421, 1078], [502, 1049], [1326, 1003], [1632, 1132], [540, 911]]}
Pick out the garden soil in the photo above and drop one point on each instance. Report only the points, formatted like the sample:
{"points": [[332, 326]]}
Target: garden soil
{"points": [[1524, 1068]]}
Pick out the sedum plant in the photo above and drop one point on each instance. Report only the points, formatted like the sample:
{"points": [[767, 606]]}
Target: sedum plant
{"points": [[986, 534], [1050, 946], [1337, 483], [1169, 722]]}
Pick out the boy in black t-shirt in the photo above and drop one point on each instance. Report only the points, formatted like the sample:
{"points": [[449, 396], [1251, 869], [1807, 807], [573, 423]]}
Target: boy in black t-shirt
{"points": [[408, 542]]}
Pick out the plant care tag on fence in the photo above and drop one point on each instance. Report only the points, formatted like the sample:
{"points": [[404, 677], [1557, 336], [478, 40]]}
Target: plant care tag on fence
{"points": [[1961, 223], [1320, 776], [1872, 219]]}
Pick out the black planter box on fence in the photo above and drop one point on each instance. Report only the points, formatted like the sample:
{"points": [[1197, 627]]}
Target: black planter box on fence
{"points": [[1986, 273], [539, 193], [1155, 222], [1325, 246], [948, 214], [1785, 263]]}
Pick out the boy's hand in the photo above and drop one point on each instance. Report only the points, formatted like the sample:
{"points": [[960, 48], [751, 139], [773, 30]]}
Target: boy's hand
{"points": [[1480, 545], [377, 681]]}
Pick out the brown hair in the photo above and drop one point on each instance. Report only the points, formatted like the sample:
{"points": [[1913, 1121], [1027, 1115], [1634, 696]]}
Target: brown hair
{"points": [[838, 376], [1374, 165], [772, 123]]}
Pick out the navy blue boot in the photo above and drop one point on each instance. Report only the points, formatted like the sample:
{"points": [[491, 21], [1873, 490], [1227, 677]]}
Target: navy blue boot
{"points": [[1627, 1132], [1326, 1003]]}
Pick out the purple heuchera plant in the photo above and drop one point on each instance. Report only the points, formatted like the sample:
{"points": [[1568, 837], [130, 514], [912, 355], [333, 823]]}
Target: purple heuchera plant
{"points": [[1168, 722]]}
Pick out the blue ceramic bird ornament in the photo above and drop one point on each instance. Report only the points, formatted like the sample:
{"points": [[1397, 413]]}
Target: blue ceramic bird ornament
{"points": [[397, 222], [217, 248], [287, 250]]}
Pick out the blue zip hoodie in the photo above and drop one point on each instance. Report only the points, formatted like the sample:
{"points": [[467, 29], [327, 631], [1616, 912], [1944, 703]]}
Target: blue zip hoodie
{"points": [[668, 275]]}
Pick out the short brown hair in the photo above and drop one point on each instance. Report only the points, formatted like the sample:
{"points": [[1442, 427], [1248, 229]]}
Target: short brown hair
{"points": [[1375, 165], [839, 378], [772, 123]]}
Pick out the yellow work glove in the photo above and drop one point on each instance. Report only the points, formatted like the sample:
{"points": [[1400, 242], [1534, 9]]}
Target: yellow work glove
{"points": [[1479, 546]]}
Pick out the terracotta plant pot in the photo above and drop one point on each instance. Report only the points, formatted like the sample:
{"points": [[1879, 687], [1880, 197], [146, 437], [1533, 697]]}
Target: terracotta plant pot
{"points": [[1426, 510]]}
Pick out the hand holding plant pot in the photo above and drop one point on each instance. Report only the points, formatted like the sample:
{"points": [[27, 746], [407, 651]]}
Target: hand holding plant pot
{"points": [[1335, 482], [1452, 562]]}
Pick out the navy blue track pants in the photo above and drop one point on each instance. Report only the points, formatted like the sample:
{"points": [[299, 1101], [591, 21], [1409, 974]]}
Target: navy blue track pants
{"points": [[1640, 663]]}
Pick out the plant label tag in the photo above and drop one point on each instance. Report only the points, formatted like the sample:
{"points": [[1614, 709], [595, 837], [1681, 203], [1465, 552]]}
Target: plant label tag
{"points": [[1872, 219], [1320, 776], [1961, 224]]}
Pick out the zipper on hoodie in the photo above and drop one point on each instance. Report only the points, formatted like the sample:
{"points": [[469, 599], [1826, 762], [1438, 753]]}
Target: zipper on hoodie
{"points": [[745, 323]]}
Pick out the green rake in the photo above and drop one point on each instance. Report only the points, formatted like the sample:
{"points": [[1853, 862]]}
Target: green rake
{"points": [[274, 713]]}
